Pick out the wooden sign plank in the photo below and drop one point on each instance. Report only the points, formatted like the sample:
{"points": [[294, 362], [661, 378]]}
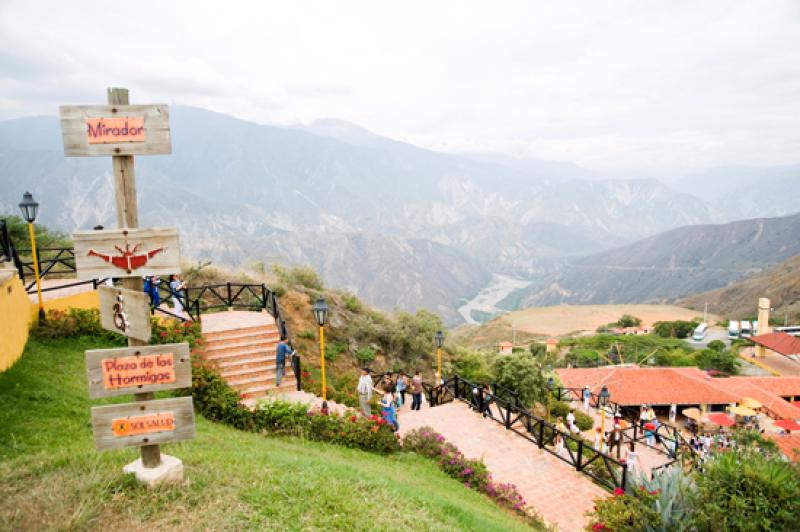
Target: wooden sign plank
{"points": [[138, 369], [126, 312], [126, 252], [143, 423], [102, 130]]}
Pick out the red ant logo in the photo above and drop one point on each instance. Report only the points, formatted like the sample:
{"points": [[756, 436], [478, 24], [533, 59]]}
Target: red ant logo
{"points": [[127, 259]]}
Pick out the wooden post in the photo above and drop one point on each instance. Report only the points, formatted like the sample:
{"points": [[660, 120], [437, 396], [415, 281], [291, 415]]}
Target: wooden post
{"points": [[128, 218]]}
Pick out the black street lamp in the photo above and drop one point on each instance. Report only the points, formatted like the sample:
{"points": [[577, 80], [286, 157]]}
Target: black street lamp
{"points": [[30, 209], [439, 337], [550, 384], [602, 401], [320, 310]]}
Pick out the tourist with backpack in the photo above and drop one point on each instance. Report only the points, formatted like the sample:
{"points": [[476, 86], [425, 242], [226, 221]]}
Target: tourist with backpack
{"points": [[281, 352], [416, 391]]}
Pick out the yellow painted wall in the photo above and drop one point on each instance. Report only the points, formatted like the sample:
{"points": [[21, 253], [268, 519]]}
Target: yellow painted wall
{"points": [[15, 319], [88, 299]]}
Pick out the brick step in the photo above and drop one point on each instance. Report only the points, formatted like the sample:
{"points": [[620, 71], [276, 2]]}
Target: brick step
{"points": [[265, 345], [261, 390], [244, 331], [246, 363], [263, 372], [252, 336], [264, 354]]}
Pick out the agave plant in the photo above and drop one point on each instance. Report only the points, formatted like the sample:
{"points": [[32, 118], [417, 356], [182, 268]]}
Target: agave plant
{"points": [[672, 489]]}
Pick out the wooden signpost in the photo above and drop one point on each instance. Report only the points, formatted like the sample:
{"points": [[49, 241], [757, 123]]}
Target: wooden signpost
{"points": [[125, 312], [126, 253], [121, 131], [92, 130], [138, 369]]}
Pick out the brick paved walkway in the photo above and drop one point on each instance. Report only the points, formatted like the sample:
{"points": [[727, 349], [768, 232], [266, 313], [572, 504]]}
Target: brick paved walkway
{"points": [[559, 493]]}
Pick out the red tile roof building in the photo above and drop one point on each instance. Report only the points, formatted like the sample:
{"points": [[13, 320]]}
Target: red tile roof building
{"points": [[634, 386], [779, 342]]}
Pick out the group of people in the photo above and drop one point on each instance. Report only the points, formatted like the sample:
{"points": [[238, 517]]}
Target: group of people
{"points": [[394, 390], [706, 443], [177, 289]]}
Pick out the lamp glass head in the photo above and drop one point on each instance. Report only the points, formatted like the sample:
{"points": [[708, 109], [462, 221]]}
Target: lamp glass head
{"points": [[320, 311], [439, 337], [29, 207]]}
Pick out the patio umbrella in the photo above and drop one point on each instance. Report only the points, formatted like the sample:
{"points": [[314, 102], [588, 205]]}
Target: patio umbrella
{"points": [[723, 420], [788, 424], [692, 413], [749, 402], [743, 411]]}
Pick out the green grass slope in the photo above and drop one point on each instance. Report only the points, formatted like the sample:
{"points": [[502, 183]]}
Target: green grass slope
{"points": [[52, 478]]}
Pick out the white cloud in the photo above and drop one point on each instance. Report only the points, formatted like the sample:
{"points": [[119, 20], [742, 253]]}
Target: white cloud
{"points": [[611, 85]]}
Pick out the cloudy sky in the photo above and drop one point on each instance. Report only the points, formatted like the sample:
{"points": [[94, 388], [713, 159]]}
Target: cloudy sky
{"points": [[612, 85]]}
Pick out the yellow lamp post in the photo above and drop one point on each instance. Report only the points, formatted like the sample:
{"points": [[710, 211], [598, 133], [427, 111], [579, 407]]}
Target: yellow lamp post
{"points": [[602, 402], [321, 314], [550, 385], [30, 209]]}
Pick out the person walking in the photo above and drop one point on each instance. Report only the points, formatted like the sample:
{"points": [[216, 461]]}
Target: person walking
{"points": [[176, 288], [587, 395], [642, 416], [571, 420], [401, 390], [559, 435], [364, 390], [416, 391], [296, 369], [598, 439], [388, 410], [281, 353], [673, 413], [632, 459], [486, 399]]}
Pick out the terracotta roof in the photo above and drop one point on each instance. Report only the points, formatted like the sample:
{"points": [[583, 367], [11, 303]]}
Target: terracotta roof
{"points": [[684, 386], [652, 386], [785, 386], [788, 445], [742, 387], [780, 342], [552, 341], [505, 344]]}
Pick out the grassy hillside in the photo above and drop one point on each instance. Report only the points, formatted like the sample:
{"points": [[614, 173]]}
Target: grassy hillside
{"points": [[52, 478], [781, 284]]}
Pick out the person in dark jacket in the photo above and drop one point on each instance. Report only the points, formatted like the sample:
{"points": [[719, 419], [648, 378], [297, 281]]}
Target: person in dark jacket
{"points": [[282, 351], [296, 365]]}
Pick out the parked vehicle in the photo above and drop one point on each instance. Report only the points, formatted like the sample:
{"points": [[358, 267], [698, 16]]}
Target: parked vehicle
{"points": [[733, 329], [700, 332]]}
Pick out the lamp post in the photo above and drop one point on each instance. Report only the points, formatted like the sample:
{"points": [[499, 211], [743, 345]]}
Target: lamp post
{"points": [[439, 337], [30, 208], [550, 384], [602, 401], [321, 314]]}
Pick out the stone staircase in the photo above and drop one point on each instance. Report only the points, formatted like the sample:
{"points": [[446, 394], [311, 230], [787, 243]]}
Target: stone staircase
{"points": [[244, 352]]}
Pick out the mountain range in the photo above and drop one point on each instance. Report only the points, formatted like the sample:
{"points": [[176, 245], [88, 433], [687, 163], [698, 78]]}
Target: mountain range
{"points": [[400, 225], [679, 262]]}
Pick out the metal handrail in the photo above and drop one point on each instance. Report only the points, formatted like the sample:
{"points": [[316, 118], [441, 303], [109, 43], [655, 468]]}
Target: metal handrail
{"points": [[515, 417]]}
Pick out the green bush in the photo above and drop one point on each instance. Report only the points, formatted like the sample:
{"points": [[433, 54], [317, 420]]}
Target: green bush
{"points": [[561, 409], [721, 361], [307, 334], [74, 323], [626, 320], [749, 491], [216, 400], [471, 365], [299, 275], [716, 345], [521, 372], [365, 355], [352, 303], [675, 329]]}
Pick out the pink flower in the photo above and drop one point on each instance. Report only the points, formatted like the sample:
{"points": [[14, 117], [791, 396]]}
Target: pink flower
{"points": [[598, 526], [617, 493]]}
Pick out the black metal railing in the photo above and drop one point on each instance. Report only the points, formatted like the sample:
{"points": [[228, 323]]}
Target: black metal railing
{"points": [[53, 262], [509, 412]]}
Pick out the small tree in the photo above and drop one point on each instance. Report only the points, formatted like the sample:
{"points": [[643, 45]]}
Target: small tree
{"points": [[716, 345], [626, 320], [521, 372]]}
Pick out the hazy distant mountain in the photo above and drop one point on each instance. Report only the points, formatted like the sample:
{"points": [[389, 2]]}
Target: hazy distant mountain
{"points": [[682, 261], [737, 192], [400, 225], [780, 283], [538, 167]]}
